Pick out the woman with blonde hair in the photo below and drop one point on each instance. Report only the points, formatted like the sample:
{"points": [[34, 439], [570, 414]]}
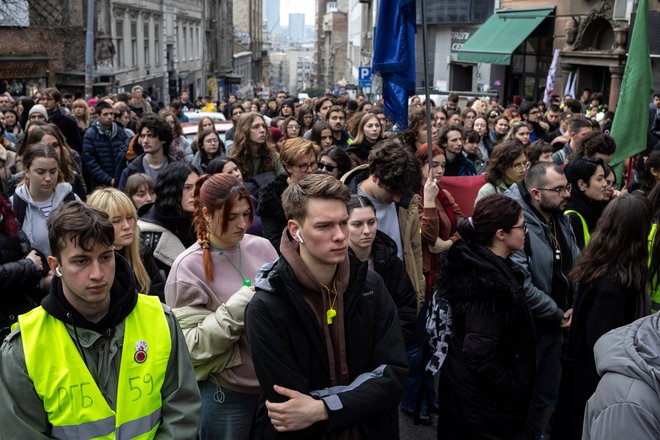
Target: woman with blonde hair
{"points": [[81, 115], [123, 216], [369, 132]]}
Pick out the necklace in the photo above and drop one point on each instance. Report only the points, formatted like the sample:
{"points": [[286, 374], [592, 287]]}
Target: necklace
{"points": [[238, 269], [331, 312]]}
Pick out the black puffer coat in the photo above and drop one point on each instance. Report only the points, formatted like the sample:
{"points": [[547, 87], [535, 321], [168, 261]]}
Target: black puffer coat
{"points": [[19, 280], [271, 212], [390, 267], [486, 380]]}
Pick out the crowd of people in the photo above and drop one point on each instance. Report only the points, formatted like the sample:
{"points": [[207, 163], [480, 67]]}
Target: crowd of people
{"points": [[307, 273]]}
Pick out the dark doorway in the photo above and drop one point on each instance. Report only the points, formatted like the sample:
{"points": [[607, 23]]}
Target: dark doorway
{"points": [[460, 77], [597, 78]]}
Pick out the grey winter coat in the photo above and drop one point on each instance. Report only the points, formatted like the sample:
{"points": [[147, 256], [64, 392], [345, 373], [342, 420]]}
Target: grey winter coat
{"points": [[626, 403]]}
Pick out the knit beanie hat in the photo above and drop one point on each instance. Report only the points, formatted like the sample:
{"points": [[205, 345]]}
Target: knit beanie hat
{"points": [[38, 108]]}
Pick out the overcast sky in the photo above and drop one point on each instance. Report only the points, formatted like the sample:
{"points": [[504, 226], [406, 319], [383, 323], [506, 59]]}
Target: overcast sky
{"points": [[306, 7]]}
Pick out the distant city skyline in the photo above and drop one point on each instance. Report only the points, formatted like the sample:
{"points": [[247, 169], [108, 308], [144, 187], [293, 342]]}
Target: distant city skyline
{"points": [[307, 7]]}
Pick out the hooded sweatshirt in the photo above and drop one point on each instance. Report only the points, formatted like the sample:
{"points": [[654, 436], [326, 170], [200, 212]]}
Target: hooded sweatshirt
{"points": [[35, 223], [626, 403]]}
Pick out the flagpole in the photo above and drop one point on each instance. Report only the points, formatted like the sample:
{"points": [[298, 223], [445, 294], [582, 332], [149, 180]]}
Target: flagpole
{"points": [[425, 57]]}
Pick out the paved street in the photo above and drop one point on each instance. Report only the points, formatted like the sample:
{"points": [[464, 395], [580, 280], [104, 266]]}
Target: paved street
{"points": [[411, 432]]}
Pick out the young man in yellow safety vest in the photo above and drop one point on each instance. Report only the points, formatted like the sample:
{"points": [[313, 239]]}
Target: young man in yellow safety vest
{"points": [[96, 359]]}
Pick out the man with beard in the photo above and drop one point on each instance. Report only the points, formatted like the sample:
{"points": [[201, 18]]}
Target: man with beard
{"points": [[530, 113], [549, 255], [336, 119], [51, 99]]}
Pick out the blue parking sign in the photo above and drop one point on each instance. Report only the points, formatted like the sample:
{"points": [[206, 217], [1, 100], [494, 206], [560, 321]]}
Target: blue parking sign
{"points": [[364, 76]]}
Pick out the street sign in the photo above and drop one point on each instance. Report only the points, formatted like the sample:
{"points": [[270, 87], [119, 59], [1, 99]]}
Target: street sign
{"points": [[364, 76]]}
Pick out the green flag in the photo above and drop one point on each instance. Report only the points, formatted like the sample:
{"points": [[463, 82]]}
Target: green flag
{"points": [[630, 125]]}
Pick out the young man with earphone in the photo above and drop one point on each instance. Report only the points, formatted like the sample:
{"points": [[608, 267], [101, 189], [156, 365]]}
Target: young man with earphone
{"points": [[324, 333], [96, 358]]}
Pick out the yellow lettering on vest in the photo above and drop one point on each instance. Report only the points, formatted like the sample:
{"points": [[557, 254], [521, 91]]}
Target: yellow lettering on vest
{"points": [[86, 400], [62, 394]]}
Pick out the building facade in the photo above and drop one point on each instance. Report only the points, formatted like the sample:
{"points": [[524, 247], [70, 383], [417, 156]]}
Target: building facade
{"points": [[248, 37], [164, 46], [332, 46]]}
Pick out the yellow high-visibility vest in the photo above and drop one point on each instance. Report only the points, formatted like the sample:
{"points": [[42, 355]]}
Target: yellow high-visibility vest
{"points": [[585, 229], [74, 403]]}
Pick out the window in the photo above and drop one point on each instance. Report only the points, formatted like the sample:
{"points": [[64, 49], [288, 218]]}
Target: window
{"points": [[134, 44], [145, 37], [456, 11], [184, 50], [157, 48], [119, 32]]}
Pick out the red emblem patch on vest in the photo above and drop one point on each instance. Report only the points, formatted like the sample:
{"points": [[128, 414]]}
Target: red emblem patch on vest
{"points": [[141, 348]]}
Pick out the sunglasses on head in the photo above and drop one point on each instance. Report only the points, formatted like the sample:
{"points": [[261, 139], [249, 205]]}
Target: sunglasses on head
{"points": [[327, 166]]}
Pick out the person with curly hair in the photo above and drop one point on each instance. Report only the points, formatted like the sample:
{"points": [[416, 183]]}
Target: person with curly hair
{"points": [[180, 147], [507, 165], [208, 288], [166, 225], [416, 134], [391, 181], [254, 152], [155, 138]]}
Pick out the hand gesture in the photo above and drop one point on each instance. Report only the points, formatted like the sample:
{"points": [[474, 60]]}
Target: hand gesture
{"points": [[34, 257], [299, 412], [431, 190]]}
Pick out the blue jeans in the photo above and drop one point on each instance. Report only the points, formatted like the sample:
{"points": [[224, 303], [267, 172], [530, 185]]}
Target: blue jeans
{"points": [[225, 413], [417, 385]]}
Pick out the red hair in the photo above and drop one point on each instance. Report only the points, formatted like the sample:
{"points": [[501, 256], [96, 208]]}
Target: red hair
{"points": [[422, 153], [213, 192]]}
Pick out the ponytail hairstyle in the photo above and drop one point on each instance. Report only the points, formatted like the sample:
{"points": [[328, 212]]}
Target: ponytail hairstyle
{"points": [[214, 192], [491, 214]]}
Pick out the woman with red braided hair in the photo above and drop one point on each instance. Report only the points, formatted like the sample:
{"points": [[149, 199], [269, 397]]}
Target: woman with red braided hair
{"points": [[208, 287]]}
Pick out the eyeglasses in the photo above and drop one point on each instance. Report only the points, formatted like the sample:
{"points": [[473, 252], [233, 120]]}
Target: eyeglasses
{"points": [[327, 166], [307, 166], [522, 166], [212, 140], [522, 227], [558, 189]]}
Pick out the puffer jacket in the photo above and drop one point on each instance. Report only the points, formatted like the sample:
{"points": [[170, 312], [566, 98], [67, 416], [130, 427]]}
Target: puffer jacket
{"points": [[388, 265], [19, 280], [411, 237], [626, 404], [488, 375], [101, 154]]}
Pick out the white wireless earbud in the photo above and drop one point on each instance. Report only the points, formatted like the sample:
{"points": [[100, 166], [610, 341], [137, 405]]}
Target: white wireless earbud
{"points": [[299, 237], [58, 271]]}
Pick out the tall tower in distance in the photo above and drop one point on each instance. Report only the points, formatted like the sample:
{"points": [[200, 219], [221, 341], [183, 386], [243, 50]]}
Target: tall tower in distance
{"points": [[272, 15], [296, 27]]}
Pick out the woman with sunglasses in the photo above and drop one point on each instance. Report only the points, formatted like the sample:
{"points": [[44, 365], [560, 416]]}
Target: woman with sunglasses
{"points": [[508, 165], [487, 376], [587, 178], [334, 161], [298, 156]]}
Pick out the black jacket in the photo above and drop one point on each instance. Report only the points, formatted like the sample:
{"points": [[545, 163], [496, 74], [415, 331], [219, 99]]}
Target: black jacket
{"points": [[600, 306], [68, 127], [271, 212], [590, 211], [487, 378], [19, 280], [288, 349], [390, 267]]}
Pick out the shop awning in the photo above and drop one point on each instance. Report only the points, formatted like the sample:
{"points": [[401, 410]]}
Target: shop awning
{"points": [[500, 35]]}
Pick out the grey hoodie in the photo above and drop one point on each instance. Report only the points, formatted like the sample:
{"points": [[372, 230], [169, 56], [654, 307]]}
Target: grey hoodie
{"points": [[626, 403], [35, 224]]}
